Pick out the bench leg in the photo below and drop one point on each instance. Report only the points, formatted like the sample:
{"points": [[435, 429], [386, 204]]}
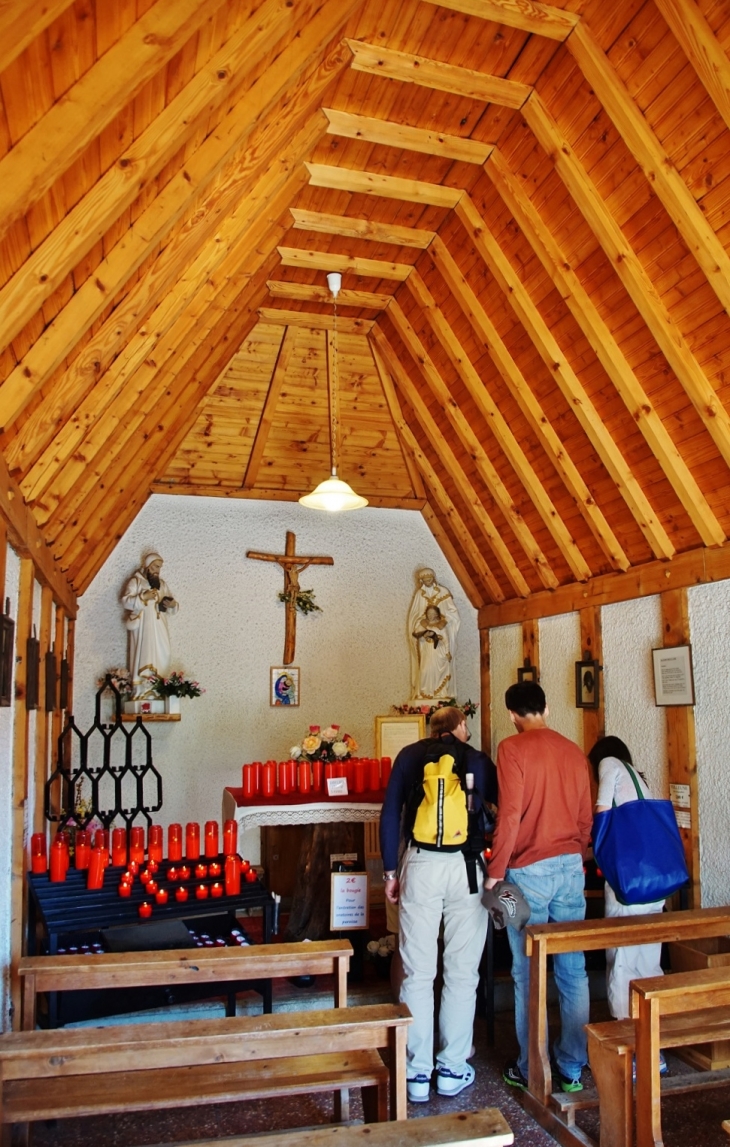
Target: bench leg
{"points": [[612, 1073], [648, 1082], [19, 1135], [342, 1105], [375, 1103]]}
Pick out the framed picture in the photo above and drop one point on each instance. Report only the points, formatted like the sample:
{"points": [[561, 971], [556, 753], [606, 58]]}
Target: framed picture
{"points": [[393, 733], [284, 688], [673, 680], [527, 673], [587, 685]]}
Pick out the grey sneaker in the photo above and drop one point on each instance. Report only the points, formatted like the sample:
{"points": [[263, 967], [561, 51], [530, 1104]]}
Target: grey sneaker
{"points": [[449, 1083], [418, 1088]]}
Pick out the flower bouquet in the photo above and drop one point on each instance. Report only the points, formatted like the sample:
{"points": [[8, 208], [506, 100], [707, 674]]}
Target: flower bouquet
{"points": [[468, 708], [175, 686], [121, 679], [324, 745]]}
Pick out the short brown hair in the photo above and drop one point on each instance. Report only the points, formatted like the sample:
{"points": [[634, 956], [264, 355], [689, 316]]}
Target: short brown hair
{"points": [[445, 720]]}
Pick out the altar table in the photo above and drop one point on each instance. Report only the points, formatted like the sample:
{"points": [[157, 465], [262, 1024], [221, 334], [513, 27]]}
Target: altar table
{"points": [[291, 808]]}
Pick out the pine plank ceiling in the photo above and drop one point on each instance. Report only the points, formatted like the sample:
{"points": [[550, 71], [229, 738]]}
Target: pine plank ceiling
{"points": [[530, 208]]}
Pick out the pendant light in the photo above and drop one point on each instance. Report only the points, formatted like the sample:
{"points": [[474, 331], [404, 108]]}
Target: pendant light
{"points": [[333, 494]]}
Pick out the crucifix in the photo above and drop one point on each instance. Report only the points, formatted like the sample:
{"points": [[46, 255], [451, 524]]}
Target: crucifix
{"points": [[292, 565]]}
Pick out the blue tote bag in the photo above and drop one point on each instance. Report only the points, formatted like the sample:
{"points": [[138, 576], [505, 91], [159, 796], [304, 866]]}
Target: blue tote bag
{"points": [[638, 848]]}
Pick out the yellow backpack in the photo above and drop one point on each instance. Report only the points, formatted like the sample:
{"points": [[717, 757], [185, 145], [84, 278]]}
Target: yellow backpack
{"points": [[441, 819]]}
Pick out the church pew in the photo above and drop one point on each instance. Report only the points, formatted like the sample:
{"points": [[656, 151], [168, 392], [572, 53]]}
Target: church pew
{"points": [[141, 1067], [110, 970]]}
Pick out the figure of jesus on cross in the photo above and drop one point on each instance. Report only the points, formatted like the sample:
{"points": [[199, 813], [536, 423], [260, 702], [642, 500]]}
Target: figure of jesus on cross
{"points": [[292, 565]]}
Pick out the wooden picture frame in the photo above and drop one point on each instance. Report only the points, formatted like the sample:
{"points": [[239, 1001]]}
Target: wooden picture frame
{"points": [[527, 673], [673, 678], [587, 685], [393, 733], [284, 686], [32, 672]]}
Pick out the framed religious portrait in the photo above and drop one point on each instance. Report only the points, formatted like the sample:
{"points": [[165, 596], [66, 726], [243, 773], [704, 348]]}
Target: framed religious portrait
{"points": [[673, 680], [393, 733], [284, 686], [527, 673], [587, 685]]}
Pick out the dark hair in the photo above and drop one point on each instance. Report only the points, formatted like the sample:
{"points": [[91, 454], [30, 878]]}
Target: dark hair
{"points": [[525, 697], [445, 720], [608, 747]]}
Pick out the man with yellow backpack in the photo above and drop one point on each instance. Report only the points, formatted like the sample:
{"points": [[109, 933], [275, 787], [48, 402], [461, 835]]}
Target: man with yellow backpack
{"points": [[435, 805]]}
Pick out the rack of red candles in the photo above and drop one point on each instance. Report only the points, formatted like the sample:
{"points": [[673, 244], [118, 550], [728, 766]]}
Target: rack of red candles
{"points": [[308, 778], [194, 869]]}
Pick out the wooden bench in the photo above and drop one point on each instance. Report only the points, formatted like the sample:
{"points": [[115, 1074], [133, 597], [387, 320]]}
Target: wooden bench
{"points": [[484, 1128], [140, 1067], [110, 970], [543, 940], [668, 1011]]}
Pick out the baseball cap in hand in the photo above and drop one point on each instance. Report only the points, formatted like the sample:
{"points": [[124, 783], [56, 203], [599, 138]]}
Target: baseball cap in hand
{"points": [[506, 905]]}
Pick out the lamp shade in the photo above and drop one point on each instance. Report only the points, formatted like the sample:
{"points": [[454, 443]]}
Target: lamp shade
{"points": [[334, 495]]}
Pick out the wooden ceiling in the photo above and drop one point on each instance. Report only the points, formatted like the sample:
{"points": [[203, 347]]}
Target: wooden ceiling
{"points": [[530, 208]]}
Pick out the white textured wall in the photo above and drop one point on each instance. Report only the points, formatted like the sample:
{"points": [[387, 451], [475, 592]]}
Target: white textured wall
{"points": [[505, 658], [559, 651], [229, 630], [6, 820], [631, 629], [709, 610]]}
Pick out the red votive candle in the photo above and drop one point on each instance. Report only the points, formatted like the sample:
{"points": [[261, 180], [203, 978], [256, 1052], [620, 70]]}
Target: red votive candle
{"points": [[292, 767], [152, 888], [216, 890], [155, 842], [152, 866], [192, 841], [133, 867], [230, 838], [58, 860], [119, 847], [82, 849], [211, 838], [145, 909], [214, 868], [173, 873], [175, 842], [245, 865], [385, 767], [162, 895], [249, 781], [257, 768], [181, 894], [201, 892], [145, 875], [305, 776], [268, 779], [359, 786], [101, 838], [284, 778], [38, 855], [201, 870], [95, 876], [125, 889], [374, 784], [184, 872], [233, 876], [136, 844], [318, 776], [329, 771], [251, 876]]}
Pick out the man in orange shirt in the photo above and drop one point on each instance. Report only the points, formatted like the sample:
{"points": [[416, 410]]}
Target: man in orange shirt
{"points": [[543, 828]]}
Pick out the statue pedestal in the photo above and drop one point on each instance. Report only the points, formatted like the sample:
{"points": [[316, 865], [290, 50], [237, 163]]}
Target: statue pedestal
{"points": [[157, 706]]}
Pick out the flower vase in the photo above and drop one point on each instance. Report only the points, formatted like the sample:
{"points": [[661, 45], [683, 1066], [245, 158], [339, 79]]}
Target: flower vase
{"points": [[172, 704]]}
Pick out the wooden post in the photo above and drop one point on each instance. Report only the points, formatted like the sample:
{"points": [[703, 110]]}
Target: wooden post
{"points": [[42, 717], [485, 686], [70, 647], [19, 862], [681, 751], [531, 643], [591, 646], [59, 640]]}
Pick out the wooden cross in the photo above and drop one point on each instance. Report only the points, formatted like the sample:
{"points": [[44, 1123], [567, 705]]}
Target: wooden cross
{"points": [[292, 566]]}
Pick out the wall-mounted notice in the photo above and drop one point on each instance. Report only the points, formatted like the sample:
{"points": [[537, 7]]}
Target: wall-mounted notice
{"points": [[349, 903]]}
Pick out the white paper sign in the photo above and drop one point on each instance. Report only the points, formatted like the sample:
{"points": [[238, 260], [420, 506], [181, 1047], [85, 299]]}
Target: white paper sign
{"points": [[679, 795], [336, 786], [349, 909], [683, 818]]}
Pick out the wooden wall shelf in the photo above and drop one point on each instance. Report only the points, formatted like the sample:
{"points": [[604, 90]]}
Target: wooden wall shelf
{"points": [[151, 716]]}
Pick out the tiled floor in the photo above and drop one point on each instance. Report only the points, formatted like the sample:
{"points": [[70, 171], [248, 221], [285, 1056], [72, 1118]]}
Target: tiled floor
{"points": [[688, 1121]]}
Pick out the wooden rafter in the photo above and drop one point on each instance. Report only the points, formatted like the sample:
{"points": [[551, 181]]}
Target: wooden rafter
{"points": [[314, 322], [312, 293], [410, 69], [500, 429], [388, 186], [629, 269], [527, 15], [344, 225], [21, 21], [450, 552], [607, 351], [276, 382], [345, 264], [702, 48], [528, 403], [565, 376], [401, 136]]}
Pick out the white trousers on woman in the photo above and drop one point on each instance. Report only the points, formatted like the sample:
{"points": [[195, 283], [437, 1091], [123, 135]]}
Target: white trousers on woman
{"points": [[434, 886], [634, 962]]}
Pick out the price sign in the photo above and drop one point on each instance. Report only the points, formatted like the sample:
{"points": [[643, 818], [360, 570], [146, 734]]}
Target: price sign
{"points": [[349, 903]]}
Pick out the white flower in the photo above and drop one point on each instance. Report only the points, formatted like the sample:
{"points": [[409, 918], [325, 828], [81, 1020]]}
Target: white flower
{"points": [[295, 753], [331, 733], [340, 749]]}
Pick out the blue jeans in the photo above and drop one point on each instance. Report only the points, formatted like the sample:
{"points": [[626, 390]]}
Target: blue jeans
{"points": [[554, 890]]}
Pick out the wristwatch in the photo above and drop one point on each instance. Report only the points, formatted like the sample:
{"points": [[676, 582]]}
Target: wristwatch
{"points": [[389, 876]]}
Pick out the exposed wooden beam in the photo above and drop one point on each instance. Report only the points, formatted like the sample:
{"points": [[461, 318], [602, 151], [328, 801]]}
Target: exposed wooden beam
{"points": [[360, 229], [87, 222], [346, 264], [697, 567], [42, 155], [409, 69], [450, 462], [261, 494], [276, 382], [606, 350], [412, 450], [311, 293], [452, 556], [19, 851], [406, 138], [300, 75], [702, 48], [498, 426], [666, 182], [527, 15], [630, 271], [567, 379], [42, 721], [387, 186], [21, 21], [396, 415], [314, 322], [470, 441]]}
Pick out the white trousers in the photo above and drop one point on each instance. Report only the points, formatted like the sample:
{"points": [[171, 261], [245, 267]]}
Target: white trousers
{"points": [[434, 886], [631, 963]]}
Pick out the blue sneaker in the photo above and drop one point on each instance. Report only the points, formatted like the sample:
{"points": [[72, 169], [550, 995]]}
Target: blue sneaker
{"points": [[449, 1083]]}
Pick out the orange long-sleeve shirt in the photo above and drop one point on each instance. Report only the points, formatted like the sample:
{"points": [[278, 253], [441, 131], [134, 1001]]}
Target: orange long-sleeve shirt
{"points": [[544, 800]]}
